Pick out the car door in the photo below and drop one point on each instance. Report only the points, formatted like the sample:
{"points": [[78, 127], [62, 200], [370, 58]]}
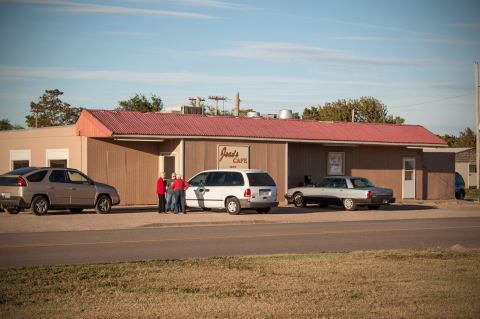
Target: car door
{"points": [[214, 192], [194, 195], [82, 189], [58, 189]]}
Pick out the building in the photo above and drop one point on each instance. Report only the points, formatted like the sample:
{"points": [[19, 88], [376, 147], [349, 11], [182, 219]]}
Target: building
{"points": [[129, 149]]}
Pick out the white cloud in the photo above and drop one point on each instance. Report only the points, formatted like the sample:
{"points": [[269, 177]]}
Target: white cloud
{"points": [[298, 51], [80, 7], [220, 4], [441, 40]]}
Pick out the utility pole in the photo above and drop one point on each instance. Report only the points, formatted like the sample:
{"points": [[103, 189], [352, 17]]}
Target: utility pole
{"points": [[237, 104], [217, 98], [477, 101], [197, 100], [353, 115]]}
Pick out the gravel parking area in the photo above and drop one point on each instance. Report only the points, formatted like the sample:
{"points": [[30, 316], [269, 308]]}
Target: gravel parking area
{"points": [[133, 217]]}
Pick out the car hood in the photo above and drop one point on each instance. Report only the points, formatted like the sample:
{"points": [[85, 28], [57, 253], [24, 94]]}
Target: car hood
{"points": [[104, 187]]}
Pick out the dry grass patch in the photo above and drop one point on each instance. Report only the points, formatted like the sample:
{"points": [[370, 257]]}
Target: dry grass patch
{"points": [[394, 284]]}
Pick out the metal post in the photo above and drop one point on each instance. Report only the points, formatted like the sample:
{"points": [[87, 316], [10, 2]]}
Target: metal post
{"points": [[477, 101]]}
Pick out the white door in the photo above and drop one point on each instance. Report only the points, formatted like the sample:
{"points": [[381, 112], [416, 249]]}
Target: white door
{"points": [[408, 177], [194, 195]]}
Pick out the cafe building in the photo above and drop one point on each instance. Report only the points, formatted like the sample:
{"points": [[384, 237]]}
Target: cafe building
{"points": [[129, 149]]}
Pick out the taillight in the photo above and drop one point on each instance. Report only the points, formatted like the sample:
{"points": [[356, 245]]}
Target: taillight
{"points": [[369, 194], [21, 181], [247, 193]]}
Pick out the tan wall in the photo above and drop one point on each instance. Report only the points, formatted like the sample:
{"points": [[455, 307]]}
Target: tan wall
{"points": [[440, 175], [269, 156], [38, 141], [132, 167], [380, 164]]}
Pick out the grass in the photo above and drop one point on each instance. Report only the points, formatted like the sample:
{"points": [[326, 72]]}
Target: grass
{"points": [[433, 283]]}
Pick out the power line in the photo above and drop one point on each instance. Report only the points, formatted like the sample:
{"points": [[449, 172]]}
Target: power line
{"points": [[431, 101]]}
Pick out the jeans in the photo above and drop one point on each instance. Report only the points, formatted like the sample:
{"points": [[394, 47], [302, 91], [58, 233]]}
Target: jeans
{"points": [[170, 199], [180, 201]]}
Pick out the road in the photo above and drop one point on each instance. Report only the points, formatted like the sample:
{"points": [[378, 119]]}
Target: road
{"points": [[73, 247]]}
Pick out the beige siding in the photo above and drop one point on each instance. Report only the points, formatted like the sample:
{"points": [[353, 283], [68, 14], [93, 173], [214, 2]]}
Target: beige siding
{"points": [[270, 156], [440, 175], [38, 141]]}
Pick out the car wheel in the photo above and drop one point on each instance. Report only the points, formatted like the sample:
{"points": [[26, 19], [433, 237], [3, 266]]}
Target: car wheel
{"points": [[104, 204], [298, 200], [76, 210], [40, 205], [233, 206], [263, 210], [373, 207], [349, 204], [13, 210]]}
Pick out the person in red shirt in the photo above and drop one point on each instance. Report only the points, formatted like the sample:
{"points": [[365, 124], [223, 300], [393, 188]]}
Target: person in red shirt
{"points": [[179, 185], [161, 193]]}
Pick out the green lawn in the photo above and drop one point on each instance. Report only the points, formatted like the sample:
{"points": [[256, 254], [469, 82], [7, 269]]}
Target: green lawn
{"points": [[436, 283]]}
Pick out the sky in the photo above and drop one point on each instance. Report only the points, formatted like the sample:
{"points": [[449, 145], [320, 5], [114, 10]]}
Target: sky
{"points": [[417, 57]]}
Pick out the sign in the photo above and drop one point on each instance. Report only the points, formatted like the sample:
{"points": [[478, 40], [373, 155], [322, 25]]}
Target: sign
{"points": [[232, 156], [336, 163]]}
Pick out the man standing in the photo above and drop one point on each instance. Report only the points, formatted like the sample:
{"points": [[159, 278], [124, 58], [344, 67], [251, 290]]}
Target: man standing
{"points": [[170, 196], [161, 193], [179, 186]]}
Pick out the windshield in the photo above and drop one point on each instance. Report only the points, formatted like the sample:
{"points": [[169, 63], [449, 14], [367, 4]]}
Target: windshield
{"points": [[360, 182], [260, 179]]}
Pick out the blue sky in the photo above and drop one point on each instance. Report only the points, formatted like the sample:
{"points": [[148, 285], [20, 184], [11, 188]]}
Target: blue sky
{"points": [[415, 56]]}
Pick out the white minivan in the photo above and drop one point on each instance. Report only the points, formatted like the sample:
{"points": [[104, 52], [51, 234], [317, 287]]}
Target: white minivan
{"points": [[233, 190]]}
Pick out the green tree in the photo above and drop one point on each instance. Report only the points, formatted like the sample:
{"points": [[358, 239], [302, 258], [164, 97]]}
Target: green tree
{"points": [[141, 103], [6, 125], [50, 110], [367, 109], [467, 138]]}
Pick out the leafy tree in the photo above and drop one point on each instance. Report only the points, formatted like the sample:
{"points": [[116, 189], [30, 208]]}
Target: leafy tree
{"points": [[6, 125], [141, 103], [367, 109], [50, 110], [467, 138]]}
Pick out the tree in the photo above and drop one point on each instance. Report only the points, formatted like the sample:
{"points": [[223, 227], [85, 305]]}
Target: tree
{"points": [[6, 125], [140, 103], [467, 138], [367, 109], [51, 111]]}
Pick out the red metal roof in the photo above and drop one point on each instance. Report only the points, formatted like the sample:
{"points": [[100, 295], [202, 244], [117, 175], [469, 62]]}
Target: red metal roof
{"points": [[167, 124]]}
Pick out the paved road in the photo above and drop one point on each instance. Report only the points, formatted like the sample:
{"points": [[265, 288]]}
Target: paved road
{"points": [[41, 248]]}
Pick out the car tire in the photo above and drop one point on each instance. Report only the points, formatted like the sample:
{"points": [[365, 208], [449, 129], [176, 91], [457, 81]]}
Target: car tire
{"points": [[349, 204], [40, 205], [298, 200], [13, 210], [263, 210], [233, 206], [104, 205], [76, 210], [373, 207]]}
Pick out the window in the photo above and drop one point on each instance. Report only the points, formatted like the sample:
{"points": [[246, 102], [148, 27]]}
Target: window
{"points": [[472, 168], [199, 180], [234, 179], [260, 179], [77, 178], [216, 179], [361, 182], [21, 171], [57, 176], [326, 182], [58, 163], [339, 183], [20, 164], [37, 177]]}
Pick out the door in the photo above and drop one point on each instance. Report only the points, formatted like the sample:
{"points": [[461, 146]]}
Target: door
{"points": [[82, 190], [194, 195], [58, 188], [169, 165], [408, 177], [215, 190]]}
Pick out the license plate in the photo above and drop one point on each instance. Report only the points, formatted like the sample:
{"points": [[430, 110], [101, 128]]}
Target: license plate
{"points": [[264, 193], [6, 195]]}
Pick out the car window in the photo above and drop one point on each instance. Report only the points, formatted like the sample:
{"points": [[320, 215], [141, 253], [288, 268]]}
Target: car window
{"points": [[77, 178], [359, 182], [57, 176], [216, 179], [21, 171], [338, 183], [260, 179], [199, 180], [37, 177], [326, 182], [234, 179]]}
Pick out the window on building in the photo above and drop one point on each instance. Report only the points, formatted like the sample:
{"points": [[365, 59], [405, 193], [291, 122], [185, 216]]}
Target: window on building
{"points": [[473, 168], [16, 164], [58, 163]]}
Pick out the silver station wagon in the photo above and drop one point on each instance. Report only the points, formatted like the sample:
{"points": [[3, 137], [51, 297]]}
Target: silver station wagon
{"points": [[57, 188], [348, 191]]}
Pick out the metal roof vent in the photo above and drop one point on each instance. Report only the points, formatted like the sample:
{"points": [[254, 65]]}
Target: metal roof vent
{"points": [[253, 114], [285, 114]]}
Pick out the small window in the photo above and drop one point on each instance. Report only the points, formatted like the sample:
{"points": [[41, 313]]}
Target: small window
{"points": [[216, 179], [260, 179], [57, 176], [472, 168], [37, 177], [361, 183], [20, 164], [339, 183], [234, 179], [58, 163], [77, 178], [199, 180]]}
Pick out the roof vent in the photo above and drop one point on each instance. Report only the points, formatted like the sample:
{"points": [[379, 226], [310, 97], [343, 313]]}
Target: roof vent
{"points": [[253, 114], [285, 114]]}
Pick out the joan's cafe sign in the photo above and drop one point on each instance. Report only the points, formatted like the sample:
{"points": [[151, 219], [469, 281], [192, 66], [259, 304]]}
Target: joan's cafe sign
{"points": [[233, 156]]}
